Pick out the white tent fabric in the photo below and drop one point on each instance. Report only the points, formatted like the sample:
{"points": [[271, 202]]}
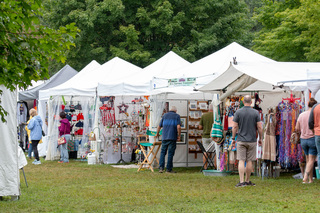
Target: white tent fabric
{"points": [[86, 83], [268, 74], [207, 68], [123, 89], [139, 83], [9, 171], [63, 75], [73, 85]]}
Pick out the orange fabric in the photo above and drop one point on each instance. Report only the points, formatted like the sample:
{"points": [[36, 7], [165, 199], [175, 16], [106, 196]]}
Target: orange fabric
{"points": [[316, 116], [147, 117]]}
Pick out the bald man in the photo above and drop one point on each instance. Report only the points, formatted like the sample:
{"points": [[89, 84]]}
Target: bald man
{"points": [[246, 123]]}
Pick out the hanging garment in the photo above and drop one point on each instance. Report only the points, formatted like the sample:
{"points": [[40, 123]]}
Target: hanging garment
{"points": [[269, 143]]}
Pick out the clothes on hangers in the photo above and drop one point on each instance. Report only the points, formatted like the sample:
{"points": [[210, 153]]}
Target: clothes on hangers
{"points": [[269, 142]]}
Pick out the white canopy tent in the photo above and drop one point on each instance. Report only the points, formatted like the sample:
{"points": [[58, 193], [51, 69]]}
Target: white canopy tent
{"points": [[73, 85], [83, 88], [140, 83], [60, 77], [9, 166], [207, 68], [262, 76]]}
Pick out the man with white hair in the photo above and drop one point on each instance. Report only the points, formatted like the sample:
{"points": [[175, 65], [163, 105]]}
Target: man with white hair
{"points": [[171, 132]]}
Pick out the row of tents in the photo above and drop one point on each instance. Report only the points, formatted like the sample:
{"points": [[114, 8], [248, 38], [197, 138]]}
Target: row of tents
{"points": [[213, 73], [227, 71]]}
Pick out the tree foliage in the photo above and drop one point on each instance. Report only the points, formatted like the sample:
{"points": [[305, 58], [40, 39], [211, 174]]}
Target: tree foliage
{"points": [[26, 46], [291, 30], [142, 31]]}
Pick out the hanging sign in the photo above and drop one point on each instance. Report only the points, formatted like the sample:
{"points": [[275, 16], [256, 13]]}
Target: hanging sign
{"points": [[181, 81]]}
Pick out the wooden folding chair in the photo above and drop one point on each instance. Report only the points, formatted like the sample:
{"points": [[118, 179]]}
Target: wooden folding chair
{"points": [[143, 142]]}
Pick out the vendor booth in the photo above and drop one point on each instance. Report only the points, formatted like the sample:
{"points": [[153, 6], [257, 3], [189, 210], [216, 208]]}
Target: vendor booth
{"points": [[79, 97], [30, 98], [278, 105]]}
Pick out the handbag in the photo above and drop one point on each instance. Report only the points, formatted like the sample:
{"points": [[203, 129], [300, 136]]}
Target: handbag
{"points": [[217, 129], [62, 139], [295, 137]]}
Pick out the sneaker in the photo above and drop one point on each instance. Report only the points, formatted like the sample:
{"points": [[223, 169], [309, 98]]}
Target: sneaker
{"points": [[37, 162], [161, 170], [250, 183], [171, 171], [241, 184], [60, 161]]}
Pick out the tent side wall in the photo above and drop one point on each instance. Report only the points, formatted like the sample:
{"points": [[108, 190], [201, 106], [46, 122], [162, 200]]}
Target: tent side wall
{"points": [[9, 171]]}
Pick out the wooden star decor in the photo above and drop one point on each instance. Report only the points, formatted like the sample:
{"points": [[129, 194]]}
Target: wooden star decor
{"points": [[123, 108]]}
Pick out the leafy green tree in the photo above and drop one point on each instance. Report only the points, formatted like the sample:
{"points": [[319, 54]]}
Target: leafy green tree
{"points": [[290, 30], [141, 31], [26, 46]]}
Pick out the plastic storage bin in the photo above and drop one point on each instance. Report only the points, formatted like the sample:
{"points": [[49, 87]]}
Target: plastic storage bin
{"points": [[91, 159]]}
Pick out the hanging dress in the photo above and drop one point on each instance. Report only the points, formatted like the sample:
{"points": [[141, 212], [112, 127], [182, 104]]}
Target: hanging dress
{"points": [[270, 144]]}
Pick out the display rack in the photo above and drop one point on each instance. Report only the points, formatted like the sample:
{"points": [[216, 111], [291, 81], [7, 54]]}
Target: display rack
{"points": [[195, 111], [121, 159]]}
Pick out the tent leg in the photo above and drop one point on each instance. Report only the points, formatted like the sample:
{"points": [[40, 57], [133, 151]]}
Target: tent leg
{"points": [[25, 179]]}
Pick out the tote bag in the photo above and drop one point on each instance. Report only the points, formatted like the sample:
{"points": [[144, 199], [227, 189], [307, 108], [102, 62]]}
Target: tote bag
{"points": [[217, 129]]}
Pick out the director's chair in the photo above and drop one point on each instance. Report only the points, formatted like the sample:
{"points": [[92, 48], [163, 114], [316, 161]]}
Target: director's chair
{"points": [[143, 142], [206, 155]]}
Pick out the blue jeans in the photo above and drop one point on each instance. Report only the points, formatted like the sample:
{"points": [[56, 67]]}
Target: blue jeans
{"points": [[171, 147], [317, 138], [309, 146], [64, 149], [30, 150]]}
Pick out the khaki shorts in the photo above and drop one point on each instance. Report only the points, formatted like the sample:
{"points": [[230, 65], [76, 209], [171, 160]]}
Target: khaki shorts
{"points": [[206, 142], [246, 151]]}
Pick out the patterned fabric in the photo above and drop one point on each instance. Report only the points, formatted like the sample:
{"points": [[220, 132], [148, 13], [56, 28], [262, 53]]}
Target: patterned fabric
{"points": [[278, 125], [289, 154]]}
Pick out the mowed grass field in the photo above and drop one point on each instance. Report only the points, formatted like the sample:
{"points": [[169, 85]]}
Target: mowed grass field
{"points": [[79, 187]]}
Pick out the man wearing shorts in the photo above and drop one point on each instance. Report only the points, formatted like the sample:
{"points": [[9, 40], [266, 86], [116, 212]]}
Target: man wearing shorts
{"points": [[206, 122], [246, 122]]}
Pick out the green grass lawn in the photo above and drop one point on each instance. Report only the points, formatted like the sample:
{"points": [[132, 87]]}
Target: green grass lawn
{"points": [[79, 187]]}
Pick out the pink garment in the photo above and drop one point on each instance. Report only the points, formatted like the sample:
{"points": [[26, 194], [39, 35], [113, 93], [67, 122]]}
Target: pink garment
{"points": [[304, 128]]}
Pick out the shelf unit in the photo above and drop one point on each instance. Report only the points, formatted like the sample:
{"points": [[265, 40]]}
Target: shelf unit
{"points": [[195, 110]]}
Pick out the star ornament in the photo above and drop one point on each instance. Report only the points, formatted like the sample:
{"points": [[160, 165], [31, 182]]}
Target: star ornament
{"points": [[291, 99], [123, 108]]}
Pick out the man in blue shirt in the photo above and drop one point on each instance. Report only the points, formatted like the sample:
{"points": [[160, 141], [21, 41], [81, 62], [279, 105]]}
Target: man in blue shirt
{"points": [[171, 132]]}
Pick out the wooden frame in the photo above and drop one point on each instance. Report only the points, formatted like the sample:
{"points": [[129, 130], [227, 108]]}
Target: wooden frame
{"points": [[203, 105], [193, 105], [184, 123], [183, 138]]}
